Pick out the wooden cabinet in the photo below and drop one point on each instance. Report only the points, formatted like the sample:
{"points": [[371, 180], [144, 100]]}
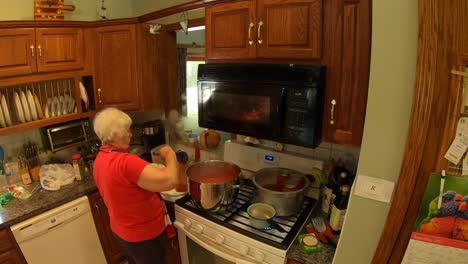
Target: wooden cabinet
{"points": [[112, 249], [278, 29], [9, 250], [347, 38], [116, 67], [29, 50]]}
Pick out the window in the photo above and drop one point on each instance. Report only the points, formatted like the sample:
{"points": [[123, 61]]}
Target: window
{"points": [[191, 122]]}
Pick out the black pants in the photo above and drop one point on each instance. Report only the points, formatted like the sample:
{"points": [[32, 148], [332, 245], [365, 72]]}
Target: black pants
{"points": [[145, 252]]}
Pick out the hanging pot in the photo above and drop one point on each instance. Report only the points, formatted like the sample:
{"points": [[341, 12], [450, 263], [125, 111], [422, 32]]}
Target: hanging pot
{"points": [[282, 188], [213, 184]]}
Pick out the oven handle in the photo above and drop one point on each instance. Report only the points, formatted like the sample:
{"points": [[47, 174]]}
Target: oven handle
{"points": [[219, 251]]}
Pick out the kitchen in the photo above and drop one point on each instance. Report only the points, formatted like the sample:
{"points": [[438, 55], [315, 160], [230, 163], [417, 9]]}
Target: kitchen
{"points": [[383, 91]]}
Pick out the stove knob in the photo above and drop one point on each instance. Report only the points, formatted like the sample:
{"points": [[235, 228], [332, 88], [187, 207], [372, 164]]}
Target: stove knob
{"points": [[199, 229], [243, 249], [219, 239], [259, 256], [188, 223]]}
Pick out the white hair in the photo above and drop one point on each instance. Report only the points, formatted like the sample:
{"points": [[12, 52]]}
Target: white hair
{"points": [[109, 123]]}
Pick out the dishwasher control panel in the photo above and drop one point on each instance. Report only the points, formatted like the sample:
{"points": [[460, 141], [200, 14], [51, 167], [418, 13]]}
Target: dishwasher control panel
{"points": [[50, 220]]}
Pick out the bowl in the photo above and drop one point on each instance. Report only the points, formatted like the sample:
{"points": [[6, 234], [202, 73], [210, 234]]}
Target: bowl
{"points": [[260, 214]]}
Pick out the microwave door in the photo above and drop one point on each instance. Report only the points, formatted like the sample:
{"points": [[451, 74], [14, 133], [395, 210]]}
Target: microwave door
{"points": [[246, 109]]}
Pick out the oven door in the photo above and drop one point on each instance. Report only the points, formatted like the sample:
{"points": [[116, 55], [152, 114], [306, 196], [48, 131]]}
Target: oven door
{"points": [[196, 248], [242, 108]]}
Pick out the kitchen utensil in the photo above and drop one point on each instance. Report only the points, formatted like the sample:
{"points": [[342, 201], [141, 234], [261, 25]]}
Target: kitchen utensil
{"points": [[323, 231], [271, 189], [213, 184], [261, 216]]}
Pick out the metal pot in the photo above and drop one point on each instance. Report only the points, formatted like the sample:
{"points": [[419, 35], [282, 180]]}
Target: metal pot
{"points": [[282, 188], [213, 184]]}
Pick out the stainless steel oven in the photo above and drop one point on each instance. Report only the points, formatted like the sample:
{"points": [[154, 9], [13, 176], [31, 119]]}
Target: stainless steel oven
{"points": [[283, 103], [227, 236]]}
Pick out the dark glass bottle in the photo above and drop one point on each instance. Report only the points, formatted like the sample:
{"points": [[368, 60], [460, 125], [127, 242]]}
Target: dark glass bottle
{"points": [[338, 211]]}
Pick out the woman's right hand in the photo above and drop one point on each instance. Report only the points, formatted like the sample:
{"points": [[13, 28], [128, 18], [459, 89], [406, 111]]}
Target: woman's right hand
{"points": [[165, 152]]}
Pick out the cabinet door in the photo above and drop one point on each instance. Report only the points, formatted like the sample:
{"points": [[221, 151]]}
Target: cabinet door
{"points": [[347, 59], [17, 51], [289, 29], [116, 67], [112, 249], [230, 31], [10, 257], [59, 49]]}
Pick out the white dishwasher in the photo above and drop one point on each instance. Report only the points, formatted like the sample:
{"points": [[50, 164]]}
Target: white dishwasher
{"points": [[65, 234]]}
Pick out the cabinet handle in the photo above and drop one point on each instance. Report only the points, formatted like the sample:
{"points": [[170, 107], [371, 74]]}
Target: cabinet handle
{"points": [[97, 209], [99, 95], [32, 51], [251, 25], [332, 112], [259, 34], [39, 48]]}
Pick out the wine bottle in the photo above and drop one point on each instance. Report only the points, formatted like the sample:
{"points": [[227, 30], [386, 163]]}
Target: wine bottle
{"points": [[338, 210]]}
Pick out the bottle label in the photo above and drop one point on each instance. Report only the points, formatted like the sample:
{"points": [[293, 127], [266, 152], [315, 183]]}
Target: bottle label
{"points": [[337, 218], [326, 199], [25, 177]]}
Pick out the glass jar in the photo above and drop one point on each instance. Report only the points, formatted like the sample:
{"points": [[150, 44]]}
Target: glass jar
{"points": [[78, 166]]}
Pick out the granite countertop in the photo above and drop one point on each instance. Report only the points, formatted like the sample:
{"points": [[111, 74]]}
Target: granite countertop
{"points": [[324, 256], [18, 210]]}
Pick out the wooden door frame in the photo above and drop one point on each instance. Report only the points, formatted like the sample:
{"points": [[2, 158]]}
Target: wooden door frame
{"points": [[433, 119]]}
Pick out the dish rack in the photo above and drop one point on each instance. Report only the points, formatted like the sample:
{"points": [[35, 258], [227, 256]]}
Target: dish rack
{"points": [[36, 101]]}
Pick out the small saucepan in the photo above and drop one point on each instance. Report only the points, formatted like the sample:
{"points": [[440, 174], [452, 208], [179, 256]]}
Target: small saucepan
{"points": [[261, 216]]}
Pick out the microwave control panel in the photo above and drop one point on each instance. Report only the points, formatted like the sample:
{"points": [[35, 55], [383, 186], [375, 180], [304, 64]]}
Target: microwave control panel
{"points": [[302, 116]]}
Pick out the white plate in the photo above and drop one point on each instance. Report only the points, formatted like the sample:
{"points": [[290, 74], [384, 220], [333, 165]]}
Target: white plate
{"points": [[71, 105], [24, 103], [84, 95], [61, 105], [5, 111], [32, 105], [66, 104], [40, 114], [2, 120], [47, 112], [55, 106], [19, 108]]}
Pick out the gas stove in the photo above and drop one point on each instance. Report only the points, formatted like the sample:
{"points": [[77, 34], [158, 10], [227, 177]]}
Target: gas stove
{"points": [[235, 217], [227, 235]]}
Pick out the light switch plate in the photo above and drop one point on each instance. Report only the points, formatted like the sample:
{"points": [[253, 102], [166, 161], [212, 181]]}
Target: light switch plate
{"points": [[374, 188]]}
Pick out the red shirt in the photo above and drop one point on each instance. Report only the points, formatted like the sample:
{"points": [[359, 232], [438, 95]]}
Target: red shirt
{"points": [[135, 213]]}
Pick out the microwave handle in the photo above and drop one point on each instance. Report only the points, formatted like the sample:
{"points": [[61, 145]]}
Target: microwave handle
{"points": [[279, 109]]}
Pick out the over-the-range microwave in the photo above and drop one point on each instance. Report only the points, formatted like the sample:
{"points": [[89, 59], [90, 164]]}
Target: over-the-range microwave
{"points": [[279, 102], [62, 135]]}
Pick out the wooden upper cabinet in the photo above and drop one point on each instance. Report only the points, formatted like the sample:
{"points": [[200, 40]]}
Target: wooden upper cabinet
{"points": [[347, 58], [28, 50], [17, 51], [230, 30], [59, 49], [287, 29], [116, 67]]}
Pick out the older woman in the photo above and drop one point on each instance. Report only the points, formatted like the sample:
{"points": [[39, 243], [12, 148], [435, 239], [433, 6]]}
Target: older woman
{"points": [[128, 185]]}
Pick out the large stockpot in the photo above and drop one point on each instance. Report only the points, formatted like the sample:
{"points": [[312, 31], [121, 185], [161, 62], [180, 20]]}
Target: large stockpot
{"points": [[282, 188], [213, 184]]}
